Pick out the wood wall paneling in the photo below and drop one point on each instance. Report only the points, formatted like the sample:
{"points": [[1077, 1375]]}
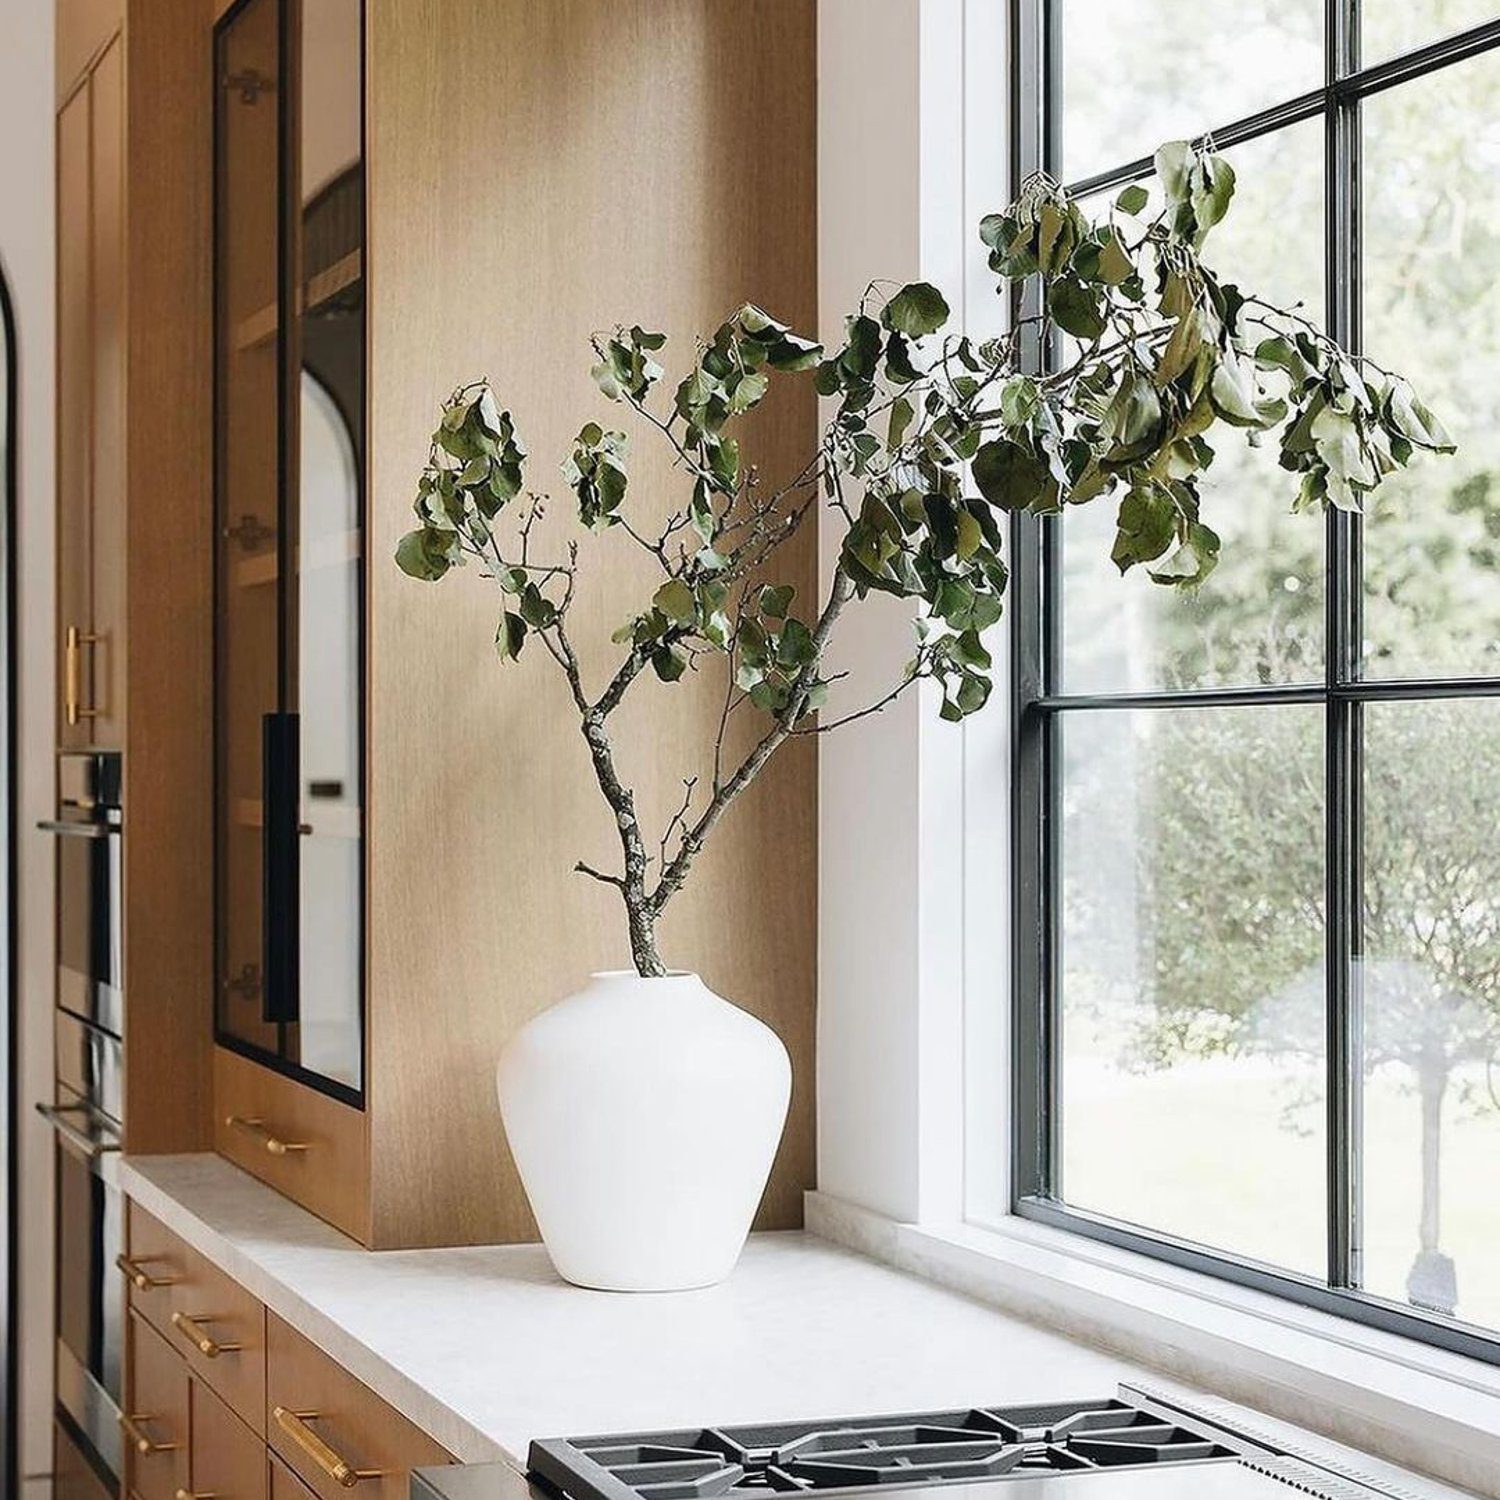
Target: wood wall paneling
{"points": [[540, 170], [169, 537], [84, 28]]}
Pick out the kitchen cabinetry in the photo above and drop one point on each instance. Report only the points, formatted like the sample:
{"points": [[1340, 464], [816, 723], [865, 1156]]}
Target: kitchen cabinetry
{"points": [[228, 1400], [397, 816], [91, 405]]}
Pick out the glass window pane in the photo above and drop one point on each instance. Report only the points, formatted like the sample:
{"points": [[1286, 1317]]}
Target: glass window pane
{"points": [[1259, 617], [1140, 72], [1432, 311], [1192, 975], [1390, 27], [1431, 983]]}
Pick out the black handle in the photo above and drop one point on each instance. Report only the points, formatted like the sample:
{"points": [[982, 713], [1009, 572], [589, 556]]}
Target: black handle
{"points": [[281, 771]]}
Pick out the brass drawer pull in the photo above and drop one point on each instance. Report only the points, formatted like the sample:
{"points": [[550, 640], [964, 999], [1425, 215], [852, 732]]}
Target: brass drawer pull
{"points": [[140, 1439], [257, 1127], [191, 1495], [329, 1460], [140, 1278], [72, 640], [193, 1330]]}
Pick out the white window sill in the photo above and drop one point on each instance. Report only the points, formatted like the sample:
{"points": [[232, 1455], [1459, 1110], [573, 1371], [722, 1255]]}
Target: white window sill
{"points": [[1420, 1407]]}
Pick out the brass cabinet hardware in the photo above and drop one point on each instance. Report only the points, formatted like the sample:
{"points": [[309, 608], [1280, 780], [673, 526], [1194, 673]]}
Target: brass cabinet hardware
{"points": [[193, 1330], [329, 1460], [194, 1495], [255, 1126], [140, 1439], [73, 638], [140, 1278]]}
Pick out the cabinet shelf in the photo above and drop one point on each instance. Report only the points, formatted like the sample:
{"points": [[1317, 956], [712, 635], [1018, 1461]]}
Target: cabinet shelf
{"points": [[260, 326], [330, 551]]}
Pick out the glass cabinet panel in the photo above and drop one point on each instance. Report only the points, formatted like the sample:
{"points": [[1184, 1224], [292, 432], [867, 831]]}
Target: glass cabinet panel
{"points": [[295, 740]]}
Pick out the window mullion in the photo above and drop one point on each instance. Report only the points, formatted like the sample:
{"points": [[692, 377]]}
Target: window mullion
{"points": [[1344, 716]]}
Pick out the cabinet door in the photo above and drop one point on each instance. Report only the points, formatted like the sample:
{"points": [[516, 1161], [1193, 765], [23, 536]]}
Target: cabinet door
{"points": [[73, 1476], [104, 660], [156, 1420], [74, 414], [228, 1460], [249, 544]]}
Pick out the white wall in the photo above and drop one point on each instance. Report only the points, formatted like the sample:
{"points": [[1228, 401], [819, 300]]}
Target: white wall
{"points": [[26, 235], [911, 151]]}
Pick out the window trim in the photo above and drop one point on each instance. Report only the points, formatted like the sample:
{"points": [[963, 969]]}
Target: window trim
{"points": [[1035, 68]]}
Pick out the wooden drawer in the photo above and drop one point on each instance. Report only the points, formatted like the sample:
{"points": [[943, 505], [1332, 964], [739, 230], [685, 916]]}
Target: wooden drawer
{"points": [[298, 1141], [285, 1485], [220, 1329], [329, 1427], [204, 1314], [228, 1459], [156, 1425], [155, 1262]]}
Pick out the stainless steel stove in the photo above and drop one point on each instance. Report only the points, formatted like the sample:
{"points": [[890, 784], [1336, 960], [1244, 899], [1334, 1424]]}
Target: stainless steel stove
{"points": [[1135, 1445]]}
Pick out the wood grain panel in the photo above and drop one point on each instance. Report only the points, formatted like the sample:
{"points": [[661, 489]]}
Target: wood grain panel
{"points": [[156, 1398], [168, 846], [345, 1416], [74, 388], [651, 161], [331, 1177], [84, 28], [163, 1261], [103, 663], [220, 1329], [228, 1459], [285, 1485]]}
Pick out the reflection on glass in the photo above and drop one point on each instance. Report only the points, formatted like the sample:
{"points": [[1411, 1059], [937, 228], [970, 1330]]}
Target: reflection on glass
{"points": [[249, 521], [1389, 27], [330, 424], [1431, 1005], [1259, 617], [1140, 72], [1192, 975], [1432, 310]]}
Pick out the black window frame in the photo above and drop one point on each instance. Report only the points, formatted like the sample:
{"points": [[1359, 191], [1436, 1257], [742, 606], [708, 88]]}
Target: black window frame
{"points": [[1038, 708]]}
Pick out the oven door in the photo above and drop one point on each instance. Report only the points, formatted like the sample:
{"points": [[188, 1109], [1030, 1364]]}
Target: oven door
{"points": [[89, 958], [90, 1291]]}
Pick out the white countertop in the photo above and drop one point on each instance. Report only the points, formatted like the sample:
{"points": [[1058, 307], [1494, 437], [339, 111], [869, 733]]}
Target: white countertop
{"points": [[487, 1348]]}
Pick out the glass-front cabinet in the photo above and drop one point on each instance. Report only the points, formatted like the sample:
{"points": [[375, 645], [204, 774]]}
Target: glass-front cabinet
{"points": [[289, 505]]}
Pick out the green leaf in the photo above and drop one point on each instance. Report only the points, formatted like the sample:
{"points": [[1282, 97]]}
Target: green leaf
{"points": [[668, 663], [1145, 526], [970, 537], [791, 352], [1172, 161], [917, 309], [1133, 199], [537, 610], [425, 554], [747, 391], [1075, 308], [775, 600], [1115, 263], [675, 600], [1010, 476], [510, 636], [901, 415], [1019, 398], [794, 645]]}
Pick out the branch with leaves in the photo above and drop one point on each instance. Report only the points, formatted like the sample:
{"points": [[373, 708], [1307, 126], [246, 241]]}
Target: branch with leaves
{"points": [[931, 440]]}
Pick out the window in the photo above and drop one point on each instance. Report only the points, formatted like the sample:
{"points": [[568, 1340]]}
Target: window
{"points": [[1257, 841]]}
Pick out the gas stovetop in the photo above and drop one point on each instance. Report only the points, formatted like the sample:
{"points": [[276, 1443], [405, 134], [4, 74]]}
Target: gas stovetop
{"points": [[1152, 1449]]}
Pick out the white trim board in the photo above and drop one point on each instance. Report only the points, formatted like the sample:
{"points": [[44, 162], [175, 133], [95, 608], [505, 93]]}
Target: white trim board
{"points": [[1402, 1401]]}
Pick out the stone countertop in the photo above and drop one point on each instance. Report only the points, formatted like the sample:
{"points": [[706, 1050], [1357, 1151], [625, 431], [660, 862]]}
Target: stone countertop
{"points": [[486, 1348]]}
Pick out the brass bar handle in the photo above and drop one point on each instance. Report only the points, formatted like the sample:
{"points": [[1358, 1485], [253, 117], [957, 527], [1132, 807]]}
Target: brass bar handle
{"points": [[72, 640], [194, 1495], [274, 1145], [329, 1460], [140, 1278], [193, 1330], [140, 1439]]}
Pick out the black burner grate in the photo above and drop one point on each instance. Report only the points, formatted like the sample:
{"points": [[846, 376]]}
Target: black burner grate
{"points": [[995, 1442]]}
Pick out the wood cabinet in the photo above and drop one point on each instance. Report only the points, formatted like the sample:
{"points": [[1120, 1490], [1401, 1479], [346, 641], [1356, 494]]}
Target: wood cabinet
{"points": [[91, 405], [235, 1403], [485, 192]]}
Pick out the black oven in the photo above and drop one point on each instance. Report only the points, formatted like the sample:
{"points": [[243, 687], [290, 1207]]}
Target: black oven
{"points": [[87, 1105], [87, 826]]}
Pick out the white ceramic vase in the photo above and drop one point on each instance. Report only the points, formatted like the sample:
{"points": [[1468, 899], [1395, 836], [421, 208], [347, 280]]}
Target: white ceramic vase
{"points": [[643, 1115]]}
